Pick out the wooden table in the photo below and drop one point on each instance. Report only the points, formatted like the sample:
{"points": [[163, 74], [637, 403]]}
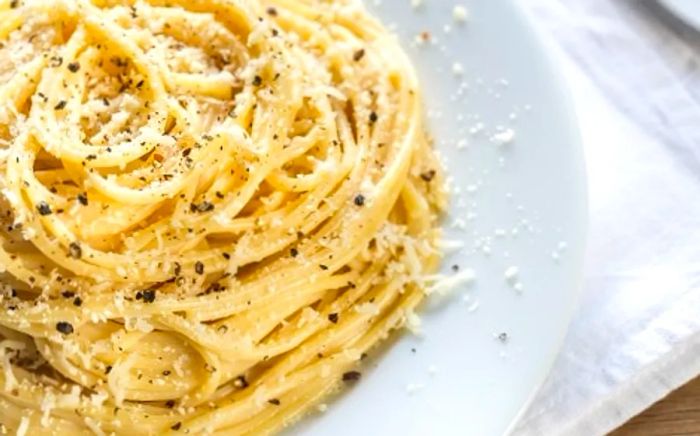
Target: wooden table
{"points": [[677, 414]]}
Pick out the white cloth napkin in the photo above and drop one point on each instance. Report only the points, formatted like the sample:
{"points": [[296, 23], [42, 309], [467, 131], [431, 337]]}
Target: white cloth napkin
{"points": [[634, 72]]}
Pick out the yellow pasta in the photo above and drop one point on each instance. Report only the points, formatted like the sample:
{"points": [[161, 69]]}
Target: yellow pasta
{"points": [[211, 210]]}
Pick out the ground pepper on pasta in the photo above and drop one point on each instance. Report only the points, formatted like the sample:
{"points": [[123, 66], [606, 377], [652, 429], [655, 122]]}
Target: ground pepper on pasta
{"points": [[211, 210]]}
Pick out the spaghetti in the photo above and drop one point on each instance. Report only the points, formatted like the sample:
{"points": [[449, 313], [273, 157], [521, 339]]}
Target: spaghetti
{"points": [[211, 210]]}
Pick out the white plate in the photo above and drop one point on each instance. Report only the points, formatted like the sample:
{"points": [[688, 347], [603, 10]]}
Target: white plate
{"points": [[534, 185], [687, 10]]}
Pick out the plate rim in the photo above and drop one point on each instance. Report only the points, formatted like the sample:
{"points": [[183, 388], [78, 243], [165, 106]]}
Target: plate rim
{"points": [[571, 286], [681, 13], [554, 70]]}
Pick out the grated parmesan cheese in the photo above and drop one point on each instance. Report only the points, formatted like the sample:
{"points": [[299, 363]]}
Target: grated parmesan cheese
{"points": [[10, 380], [511, 274], [23, 426], [505, 137], [48, 403], [177, 365], [442, 285], [413, 323], [367, 309], [460, 14], [94, 426], [412, 388]]}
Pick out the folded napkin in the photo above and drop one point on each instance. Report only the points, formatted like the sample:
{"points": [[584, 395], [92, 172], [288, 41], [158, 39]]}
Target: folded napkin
{"points": [[634, 73]]}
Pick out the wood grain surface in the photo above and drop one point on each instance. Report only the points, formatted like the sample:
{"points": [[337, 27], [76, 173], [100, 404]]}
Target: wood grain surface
{"points": [[677, 414]]}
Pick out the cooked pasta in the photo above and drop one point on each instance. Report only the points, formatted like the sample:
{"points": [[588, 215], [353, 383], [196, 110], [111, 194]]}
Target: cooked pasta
{"points": [[211, 210]]}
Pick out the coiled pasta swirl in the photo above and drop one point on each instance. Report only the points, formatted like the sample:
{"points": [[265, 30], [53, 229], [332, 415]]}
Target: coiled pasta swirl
{"points": [[211, 210]]}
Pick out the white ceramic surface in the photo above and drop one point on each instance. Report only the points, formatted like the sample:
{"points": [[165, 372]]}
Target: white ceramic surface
{"points": [[534, 185], [687, 10]]}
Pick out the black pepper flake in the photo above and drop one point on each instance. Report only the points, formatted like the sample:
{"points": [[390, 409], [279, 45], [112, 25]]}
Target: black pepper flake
{"points": [[503, 337], [323, 267], [176, 426], [64, 327], [43, 208], [351, 376], [219, 195], [166, 372], [55, 62], [333, 317], [204, 206], [77, 302], [272, 11], [61, 105], [257, 81], [119, 62], [108, 369], [149, 295], [186, 152], [358, 55], [359, 200], [177, 269], [67, 294], [373, 117], [455, 267], [75, 251], [73, 67], [294, 252], [241, 382], [170, 404], [139, 84], [199, 267], [83, 199], [428, 175], [274, 401], [226, 256]]}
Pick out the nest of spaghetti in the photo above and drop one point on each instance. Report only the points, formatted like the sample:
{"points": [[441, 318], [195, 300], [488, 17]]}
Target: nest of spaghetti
{"points": [[211, 210]]}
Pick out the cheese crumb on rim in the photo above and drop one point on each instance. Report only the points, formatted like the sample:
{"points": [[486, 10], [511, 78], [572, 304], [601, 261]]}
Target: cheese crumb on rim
{"points": [[460, 14], [505, 137], [511, 274]]}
